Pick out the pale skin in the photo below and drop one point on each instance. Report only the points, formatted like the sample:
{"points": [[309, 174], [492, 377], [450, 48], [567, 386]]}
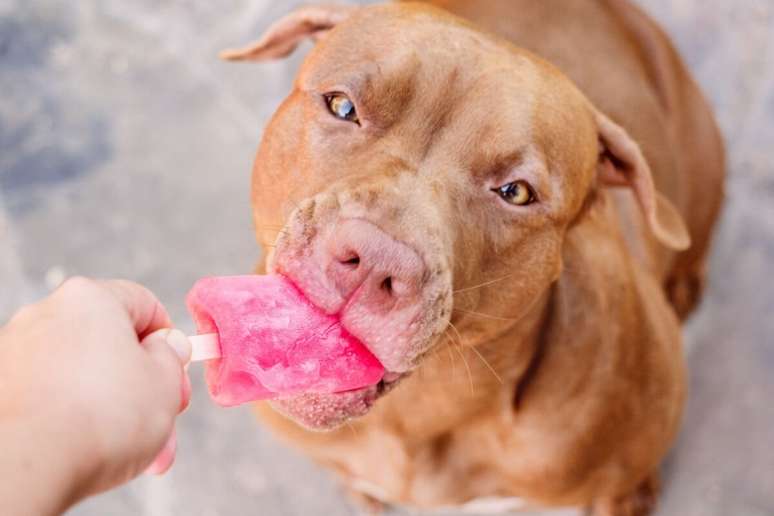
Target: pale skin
{"points": [[91, 381]]}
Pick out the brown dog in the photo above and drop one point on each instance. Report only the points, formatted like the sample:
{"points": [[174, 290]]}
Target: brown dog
{"points": [[451, 196]]}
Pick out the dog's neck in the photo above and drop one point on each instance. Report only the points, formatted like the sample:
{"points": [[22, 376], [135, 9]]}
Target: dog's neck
{"points": [[463, 376], [489, 367]]}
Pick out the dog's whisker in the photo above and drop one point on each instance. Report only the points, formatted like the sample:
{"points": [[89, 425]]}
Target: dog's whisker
{"points": [[451, 359], [487, 364], [467, 368], [280, 234], [452, 345], [421, 371], [352, 427], [498, 318], [478, 353], [459, 348], [482, 284], [574, 270], [279, 231]]}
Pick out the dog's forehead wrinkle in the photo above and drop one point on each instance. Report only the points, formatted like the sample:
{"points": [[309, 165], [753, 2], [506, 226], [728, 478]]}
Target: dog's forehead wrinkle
{"points": [[429, 100], [480, 138], [416, 23], [360, 46]]}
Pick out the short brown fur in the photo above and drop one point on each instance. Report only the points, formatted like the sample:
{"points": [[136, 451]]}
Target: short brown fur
{"points": [[561, 381]]}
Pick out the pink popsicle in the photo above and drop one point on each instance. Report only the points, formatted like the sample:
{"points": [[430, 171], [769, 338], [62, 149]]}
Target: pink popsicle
{"points": [[274, 341]]}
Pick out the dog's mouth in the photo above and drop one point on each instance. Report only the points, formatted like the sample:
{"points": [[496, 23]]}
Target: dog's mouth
{"points": [[328, 411], [397, 320], [388, 383]]}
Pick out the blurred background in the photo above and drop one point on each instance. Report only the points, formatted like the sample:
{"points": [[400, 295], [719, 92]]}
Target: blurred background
{"points": [[125, 151]]}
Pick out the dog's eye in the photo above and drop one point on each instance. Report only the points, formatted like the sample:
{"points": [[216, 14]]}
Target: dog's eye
{"points": [[518, 193], [342, 107]]}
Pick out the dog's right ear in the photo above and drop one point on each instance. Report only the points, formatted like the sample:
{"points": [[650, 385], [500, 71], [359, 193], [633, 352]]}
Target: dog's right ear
{"points": [[284, 35]]}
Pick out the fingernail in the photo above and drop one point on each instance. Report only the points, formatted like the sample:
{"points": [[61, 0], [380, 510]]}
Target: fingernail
{"points": [[180, 343]]}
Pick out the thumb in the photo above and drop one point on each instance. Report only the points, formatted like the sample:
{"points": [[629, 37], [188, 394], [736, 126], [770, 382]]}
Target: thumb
{"points": [[174, 339], [171, 351]]}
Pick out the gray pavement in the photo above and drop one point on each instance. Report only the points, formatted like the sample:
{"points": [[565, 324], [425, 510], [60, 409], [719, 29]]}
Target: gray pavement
{"points": [[125, 150]]}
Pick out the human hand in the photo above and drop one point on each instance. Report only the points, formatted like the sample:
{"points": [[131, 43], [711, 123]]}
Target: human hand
{"points": [[91, 380]]}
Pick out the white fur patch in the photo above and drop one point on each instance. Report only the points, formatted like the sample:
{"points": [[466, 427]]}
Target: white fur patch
{"points": [[370, 489], [484, 505], [493, 505]]}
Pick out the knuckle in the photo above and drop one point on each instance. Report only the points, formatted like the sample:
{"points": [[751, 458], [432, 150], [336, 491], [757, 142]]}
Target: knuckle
{"points": [[77, 296], [124, 284], [78, 285]]}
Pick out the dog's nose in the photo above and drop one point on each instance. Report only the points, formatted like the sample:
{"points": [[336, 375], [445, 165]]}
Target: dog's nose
{"points": [[366, 259]]}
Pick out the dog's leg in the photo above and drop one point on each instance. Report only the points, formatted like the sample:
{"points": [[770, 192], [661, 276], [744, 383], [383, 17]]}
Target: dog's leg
{"points": [[641, 502]]}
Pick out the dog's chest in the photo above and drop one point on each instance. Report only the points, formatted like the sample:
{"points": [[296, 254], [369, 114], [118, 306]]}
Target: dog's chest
{"points": [[447, 474], [483, 505], [492, 505]]}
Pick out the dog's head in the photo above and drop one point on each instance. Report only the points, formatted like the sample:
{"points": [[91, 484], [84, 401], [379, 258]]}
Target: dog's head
{"points": [[421, 169]]}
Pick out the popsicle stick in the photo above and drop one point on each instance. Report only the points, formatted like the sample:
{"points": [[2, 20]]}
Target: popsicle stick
{"points": [[204, 347]]}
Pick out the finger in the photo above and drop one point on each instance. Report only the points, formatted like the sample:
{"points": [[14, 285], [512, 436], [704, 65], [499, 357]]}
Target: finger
{"points": [[168, 373], [180, 344], [182, 347], [165, 458], [143, 308]]}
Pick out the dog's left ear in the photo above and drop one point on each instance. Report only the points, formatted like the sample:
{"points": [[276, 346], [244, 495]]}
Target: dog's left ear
{"points": [[621, 163], [284, 35]]}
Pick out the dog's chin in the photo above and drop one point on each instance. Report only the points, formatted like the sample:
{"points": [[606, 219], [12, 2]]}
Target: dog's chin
{"points": [[325, 412]]}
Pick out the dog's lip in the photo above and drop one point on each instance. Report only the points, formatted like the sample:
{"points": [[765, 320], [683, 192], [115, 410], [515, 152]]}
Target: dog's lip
{"points": [[390, 377], [368, 394], [363, 342], [328, 411], [385, 385], [388, 381]]}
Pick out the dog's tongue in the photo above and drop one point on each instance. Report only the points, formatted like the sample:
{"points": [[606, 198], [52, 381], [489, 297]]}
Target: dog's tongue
{"points": [[274, 342]]}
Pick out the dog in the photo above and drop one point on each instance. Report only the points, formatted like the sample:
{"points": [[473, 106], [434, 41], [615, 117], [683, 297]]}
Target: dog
{"points": [[510, 203]]}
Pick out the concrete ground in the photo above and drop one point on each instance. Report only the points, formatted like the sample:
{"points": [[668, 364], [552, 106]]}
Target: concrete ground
{"points": [[125, 150]]}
